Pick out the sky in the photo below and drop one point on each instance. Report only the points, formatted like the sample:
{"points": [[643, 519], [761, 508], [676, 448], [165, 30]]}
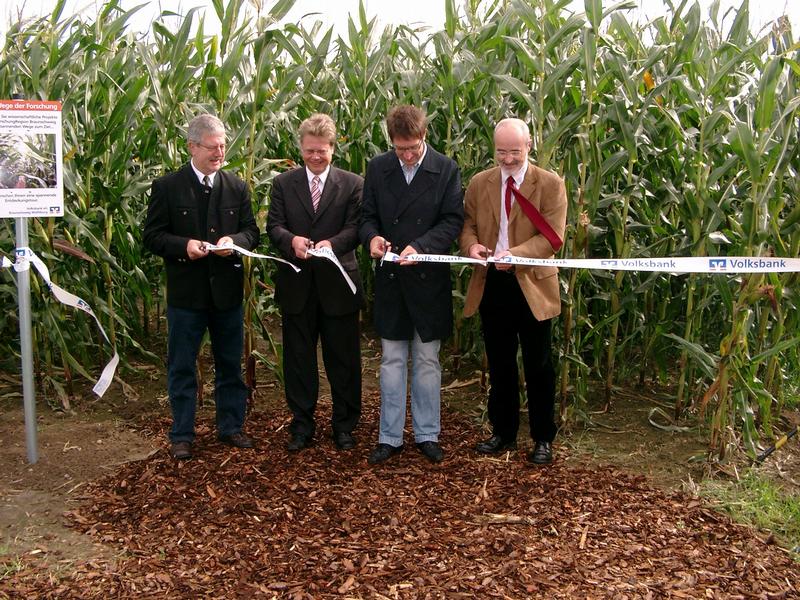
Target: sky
{"points": [[412, 12]]}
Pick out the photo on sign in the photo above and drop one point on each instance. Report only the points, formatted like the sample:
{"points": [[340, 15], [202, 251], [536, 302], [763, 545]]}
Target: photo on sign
{"points": [[28, 161]]}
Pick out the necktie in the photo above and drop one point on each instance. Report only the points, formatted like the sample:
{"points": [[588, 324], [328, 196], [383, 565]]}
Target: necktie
{"points": [[510, 186], [316, 192], [408, 171], [207, 183]]}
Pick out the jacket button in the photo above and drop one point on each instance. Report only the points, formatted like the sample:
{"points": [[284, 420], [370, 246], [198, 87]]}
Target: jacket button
{"points": [[391, 275], [419, 221], [422, 275], [213, 230], [395, 222]]}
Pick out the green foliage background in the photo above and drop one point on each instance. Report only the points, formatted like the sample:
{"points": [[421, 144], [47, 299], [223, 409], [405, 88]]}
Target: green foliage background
{"points": [[676, 138]]}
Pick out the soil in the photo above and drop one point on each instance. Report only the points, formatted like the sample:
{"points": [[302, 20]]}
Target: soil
{"points": [[106, 513]]}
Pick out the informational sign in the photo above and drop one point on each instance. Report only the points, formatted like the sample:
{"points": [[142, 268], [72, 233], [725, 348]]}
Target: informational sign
{"points": [[31, 162]]}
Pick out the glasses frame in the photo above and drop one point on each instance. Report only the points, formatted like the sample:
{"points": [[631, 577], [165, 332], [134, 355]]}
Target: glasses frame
{"points": [[414, 148], [310, 152], [221, 147], [511, 153]]}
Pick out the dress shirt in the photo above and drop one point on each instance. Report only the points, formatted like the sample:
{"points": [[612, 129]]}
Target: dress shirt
{"points": [[322, 177], [201, 176], [519, 177], [415, 166]]}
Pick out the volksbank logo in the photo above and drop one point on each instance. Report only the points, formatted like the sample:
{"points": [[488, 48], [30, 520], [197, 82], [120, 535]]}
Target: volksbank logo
{"points": [[717, 264]]}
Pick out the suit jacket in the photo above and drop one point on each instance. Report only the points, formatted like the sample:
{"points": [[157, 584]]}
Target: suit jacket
{"points": [[336, 220], [427, 214], [547, 193], [173, 219]]}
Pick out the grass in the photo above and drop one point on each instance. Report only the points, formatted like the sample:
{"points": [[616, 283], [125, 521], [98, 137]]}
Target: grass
{"points": [[9, 564], [758, 500]]}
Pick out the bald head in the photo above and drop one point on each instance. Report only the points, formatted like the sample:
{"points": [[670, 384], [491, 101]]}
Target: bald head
{"points": [[520, 126], [512, 144]]}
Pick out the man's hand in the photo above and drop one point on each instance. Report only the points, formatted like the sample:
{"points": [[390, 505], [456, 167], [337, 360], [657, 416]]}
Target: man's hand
{"points": [[406, 251], [225, 240], [479, 251], [502, 266], [300, 245], [324, 244], [379, 246], [196, 249]]}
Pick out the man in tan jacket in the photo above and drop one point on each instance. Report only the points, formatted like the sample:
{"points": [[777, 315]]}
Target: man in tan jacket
{"points": [[516, 303]]}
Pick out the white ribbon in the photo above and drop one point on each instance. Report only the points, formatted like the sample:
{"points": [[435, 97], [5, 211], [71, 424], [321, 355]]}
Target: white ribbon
{"points": [[26, 257], [240, 250], [327, 253], [5, 263], [693, 264], [433, 258]]}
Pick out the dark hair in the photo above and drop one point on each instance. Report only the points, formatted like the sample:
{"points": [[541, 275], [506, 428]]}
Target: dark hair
{"points": [[406, 121]]}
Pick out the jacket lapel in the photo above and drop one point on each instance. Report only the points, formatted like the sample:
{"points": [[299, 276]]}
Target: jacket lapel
{"points": [[424, 178], [527, 189], [329, 192], [302, 192]]}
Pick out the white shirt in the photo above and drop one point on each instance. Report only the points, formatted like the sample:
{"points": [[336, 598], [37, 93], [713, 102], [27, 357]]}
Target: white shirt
{"points": [[322, 177], [201, 175], [519, 177], [415, 166]]}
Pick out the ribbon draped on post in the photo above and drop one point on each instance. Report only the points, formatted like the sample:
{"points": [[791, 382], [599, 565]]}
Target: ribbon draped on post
{"points": [[26, 257]]}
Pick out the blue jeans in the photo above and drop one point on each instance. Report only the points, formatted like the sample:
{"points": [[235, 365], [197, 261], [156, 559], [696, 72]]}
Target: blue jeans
{"points": [[426, 380], [186, 329]]}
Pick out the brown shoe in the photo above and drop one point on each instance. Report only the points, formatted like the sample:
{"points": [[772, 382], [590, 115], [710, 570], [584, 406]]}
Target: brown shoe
{"points": [[181, 450], [238, 440]]}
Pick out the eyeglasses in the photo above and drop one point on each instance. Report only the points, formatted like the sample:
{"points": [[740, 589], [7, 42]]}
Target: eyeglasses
{"points": [[403, 149], [509, 153], [310, 152], [220, 147]]}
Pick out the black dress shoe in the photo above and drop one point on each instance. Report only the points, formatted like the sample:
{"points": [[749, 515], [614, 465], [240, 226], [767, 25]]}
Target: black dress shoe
{"points": [[344, 440], [383, 452], [298, 442], [181, 450], [495, 445], [542, 453], [238, 440], [432, 451]]}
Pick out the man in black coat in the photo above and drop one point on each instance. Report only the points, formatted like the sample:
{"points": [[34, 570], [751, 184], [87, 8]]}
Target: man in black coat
{"points": [[189, 208], [413, 202], [318, 206]]}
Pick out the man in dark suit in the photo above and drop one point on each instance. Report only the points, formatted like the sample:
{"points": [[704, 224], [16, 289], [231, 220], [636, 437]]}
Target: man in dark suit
{"points": [[189, 208], [517, 304], [412, 202], [318, 206]]}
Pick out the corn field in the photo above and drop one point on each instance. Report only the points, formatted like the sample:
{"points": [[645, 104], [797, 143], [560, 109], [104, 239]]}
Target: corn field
{"points": [[678, 137]]}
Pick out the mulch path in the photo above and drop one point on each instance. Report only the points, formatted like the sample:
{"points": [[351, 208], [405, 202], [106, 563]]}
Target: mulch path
{"points": [[325, 524]]}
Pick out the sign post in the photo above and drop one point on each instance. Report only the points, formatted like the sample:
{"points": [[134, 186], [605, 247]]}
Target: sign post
{"points": [[31, 185]]}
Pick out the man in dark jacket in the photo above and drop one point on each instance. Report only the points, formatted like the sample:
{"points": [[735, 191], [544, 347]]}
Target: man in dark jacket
{"points": [[318, 206], [412, 203], [194, 206]]}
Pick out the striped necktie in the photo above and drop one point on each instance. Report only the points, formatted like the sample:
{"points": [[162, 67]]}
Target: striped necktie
{"points": [[316, 192]]}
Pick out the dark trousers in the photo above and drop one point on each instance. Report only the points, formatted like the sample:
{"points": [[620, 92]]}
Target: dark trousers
{"points": [[186, 329], [508, 324], [341, 354]]}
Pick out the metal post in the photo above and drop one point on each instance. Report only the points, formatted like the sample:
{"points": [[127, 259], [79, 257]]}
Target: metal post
{"points": [[26, 346]]}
